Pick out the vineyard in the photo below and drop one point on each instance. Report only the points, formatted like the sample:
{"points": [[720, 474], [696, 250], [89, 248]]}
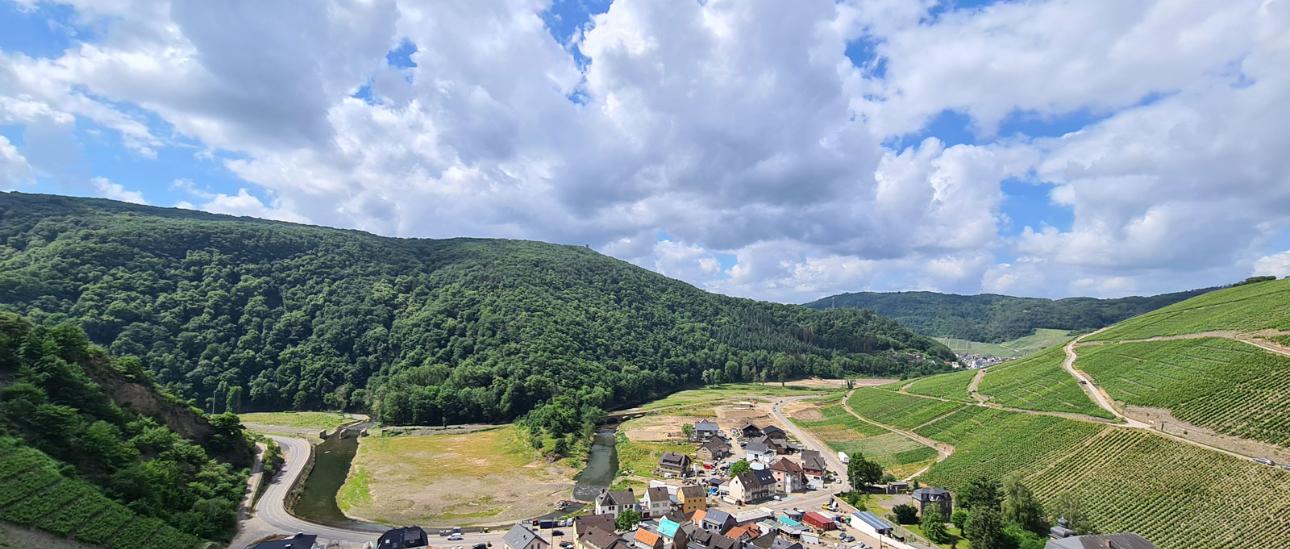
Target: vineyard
{"points": [[1038, 382], [1246, 308], [843, 432], [998, 443], [953, 385], [1175, 494], [891, 408], [1228, 386], [33, 493]]}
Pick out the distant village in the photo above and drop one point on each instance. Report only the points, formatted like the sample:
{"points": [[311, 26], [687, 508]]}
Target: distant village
{"points": [[975, 361]]}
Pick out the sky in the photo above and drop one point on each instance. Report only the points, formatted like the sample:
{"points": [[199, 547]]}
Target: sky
{"points": [[777, 150]]}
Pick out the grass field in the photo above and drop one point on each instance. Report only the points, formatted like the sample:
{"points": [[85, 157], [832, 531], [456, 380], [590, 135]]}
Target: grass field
{"points": [[843, 432], [1043, 338], [1245, 308], [953, 385], [639, 459], [700, 402], [892, 408], [1176, 494], [1228, 386], [1038, 382], [316, 421], [481, 477]]}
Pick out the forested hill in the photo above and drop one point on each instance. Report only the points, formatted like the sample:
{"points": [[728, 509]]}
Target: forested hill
{"points": [[996, 318], [245, 314]]}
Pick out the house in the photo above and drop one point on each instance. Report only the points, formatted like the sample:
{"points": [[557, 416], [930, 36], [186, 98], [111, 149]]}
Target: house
{"points": [[657, 502], [743, 532], [776, 434], [935, 496], [869, 523], [751, 486], [700, 538], [1126, 540], [645, 539], [749, 430], [788, 476], [298, 541], [814, 468], [714, 450], [600, 539], [716, 520], [674, 463], [818, 521], [706, 430], [692, 498], [522, 537], [781, 543], [758, 450], [403, 538], [616, 502], [674, 537], [585, 523]]}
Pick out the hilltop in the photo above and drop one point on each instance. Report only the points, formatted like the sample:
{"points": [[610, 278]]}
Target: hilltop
{"points": [[996, 318], [246, 314]]}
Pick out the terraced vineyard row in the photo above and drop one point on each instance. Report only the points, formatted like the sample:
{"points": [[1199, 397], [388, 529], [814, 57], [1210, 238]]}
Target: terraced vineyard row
{"points": [[843, 432], [1038, 382], [998, 443], [33, 493], [1229, 386], [885, 405], [1175, 494], [1246, 308], [953, 385]]}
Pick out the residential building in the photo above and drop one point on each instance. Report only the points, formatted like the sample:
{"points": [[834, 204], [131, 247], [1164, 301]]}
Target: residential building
{"points": [[706, 430], [788, 476], [674, 463], [646, 539], [758, 450], [585, 523], [713, 450], [1126, 540], [521, 536], [938, 497], [692, 498], [775, 433], [657, 502], [814, 467], [751, 486], [600, 539], [743, 532], [403, 538], [674, 537], [716, 520], [616, 502], [749, 430]]}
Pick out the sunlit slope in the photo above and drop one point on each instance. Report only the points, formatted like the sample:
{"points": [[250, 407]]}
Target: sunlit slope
{"points": [[1038, 382], [1245, 308]]}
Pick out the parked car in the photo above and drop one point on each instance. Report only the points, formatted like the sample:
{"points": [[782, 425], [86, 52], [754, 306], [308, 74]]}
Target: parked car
{"points": [[1264, 461], [557, 533], [456, 536], [566, 544], [479, 546]]}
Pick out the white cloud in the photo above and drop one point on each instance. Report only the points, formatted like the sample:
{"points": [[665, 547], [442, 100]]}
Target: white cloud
{"points": [[243, 204], [1277, 264], [116, 191], [14, 169]]}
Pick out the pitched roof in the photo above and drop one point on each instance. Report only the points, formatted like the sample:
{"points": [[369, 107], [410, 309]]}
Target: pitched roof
{"points": [[519, 537], [813, 460], [673, 458], [668, 527], [705, 425], [601, 539], [647, 537], [1127, 540], [773, 432], [693, 491], [756, 478], [786, 465], [298, 541], [929, 494], [717, 516], [402, 538], [699, 515], [584, 523], [872, 520], [737, 532], [619, 497], [757, 446], [657, 493], [764, 477]]}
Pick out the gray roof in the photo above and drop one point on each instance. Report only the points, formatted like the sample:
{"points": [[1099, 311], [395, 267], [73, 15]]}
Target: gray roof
{"points": [[929, 494], [705, 425], [781, 543], [717, 516], [774, 432], [592, 522], [757, 446], [657, 494], [520, 537], [619, 497], [298, 541], [872, 520], [693, 491], [813, 460], [674, 459], [1126, 540], [602, 539], [757, 478]]}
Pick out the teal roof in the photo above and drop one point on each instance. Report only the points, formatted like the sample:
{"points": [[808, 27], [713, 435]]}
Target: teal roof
{"points": [[667, 527], [789, 522]]}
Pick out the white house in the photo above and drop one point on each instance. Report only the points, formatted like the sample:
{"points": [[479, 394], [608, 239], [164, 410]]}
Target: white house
{"points": [[617, 501], [657, 502]]}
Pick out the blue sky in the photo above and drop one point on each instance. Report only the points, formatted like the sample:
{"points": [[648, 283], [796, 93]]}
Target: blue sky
{"points": [[1028, 148]]}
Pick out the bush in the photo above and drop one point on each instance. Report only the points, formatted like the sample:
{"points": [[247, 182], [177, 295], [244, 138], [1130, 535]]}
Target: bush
{"points": [[905, 513]]}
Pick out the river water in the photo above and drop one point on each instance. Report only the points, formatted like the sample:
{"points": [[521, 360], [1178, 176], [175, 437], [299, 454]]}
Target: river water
{"points": [[602, 465], [332, 459]]}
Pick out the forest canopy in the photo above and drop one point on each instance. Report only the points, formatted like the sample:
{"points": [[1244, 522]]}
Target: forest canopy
{"points": [[241, 314]]}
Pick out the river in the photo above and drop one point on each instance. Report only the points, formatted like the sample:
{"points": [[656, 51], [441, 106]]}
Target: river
{"points": [[332, 459], [602, 465]]}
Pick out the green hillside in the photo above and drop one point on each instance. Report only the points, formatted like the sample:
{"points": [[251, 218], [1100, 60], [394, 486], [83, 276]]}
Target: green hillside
{"points": [[1242, 308], [247, 314], [953, 385], [1038, 382], [994, 318], [80, 457], [1015, 348]]}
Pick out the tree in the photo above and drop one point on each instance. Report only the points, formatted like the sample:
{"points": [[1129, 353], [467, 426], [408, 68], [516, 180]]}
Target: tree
{"points": [[982, 491], [1068, 507], [739, 467], [905, 513], [959, 518], [1022, 508], [934, 525], [627, 519], [687, 430], [984, 529], [861, 472], [234, 401]]}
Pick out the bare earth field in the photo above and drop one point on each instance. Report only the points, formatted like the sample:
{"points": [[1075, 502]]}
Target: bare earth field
{"points": [[484, 477]]}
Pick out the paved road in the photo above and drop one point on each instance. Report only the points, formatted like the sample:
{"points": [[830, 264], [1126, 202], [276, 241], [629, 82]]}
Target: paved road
{"points": [[830, 457]]}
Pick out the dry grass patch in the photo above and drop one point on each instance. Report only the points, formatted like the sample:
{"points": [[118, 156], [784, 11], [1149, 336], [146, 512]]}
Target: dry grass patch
{"points": [[484, 477]]}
